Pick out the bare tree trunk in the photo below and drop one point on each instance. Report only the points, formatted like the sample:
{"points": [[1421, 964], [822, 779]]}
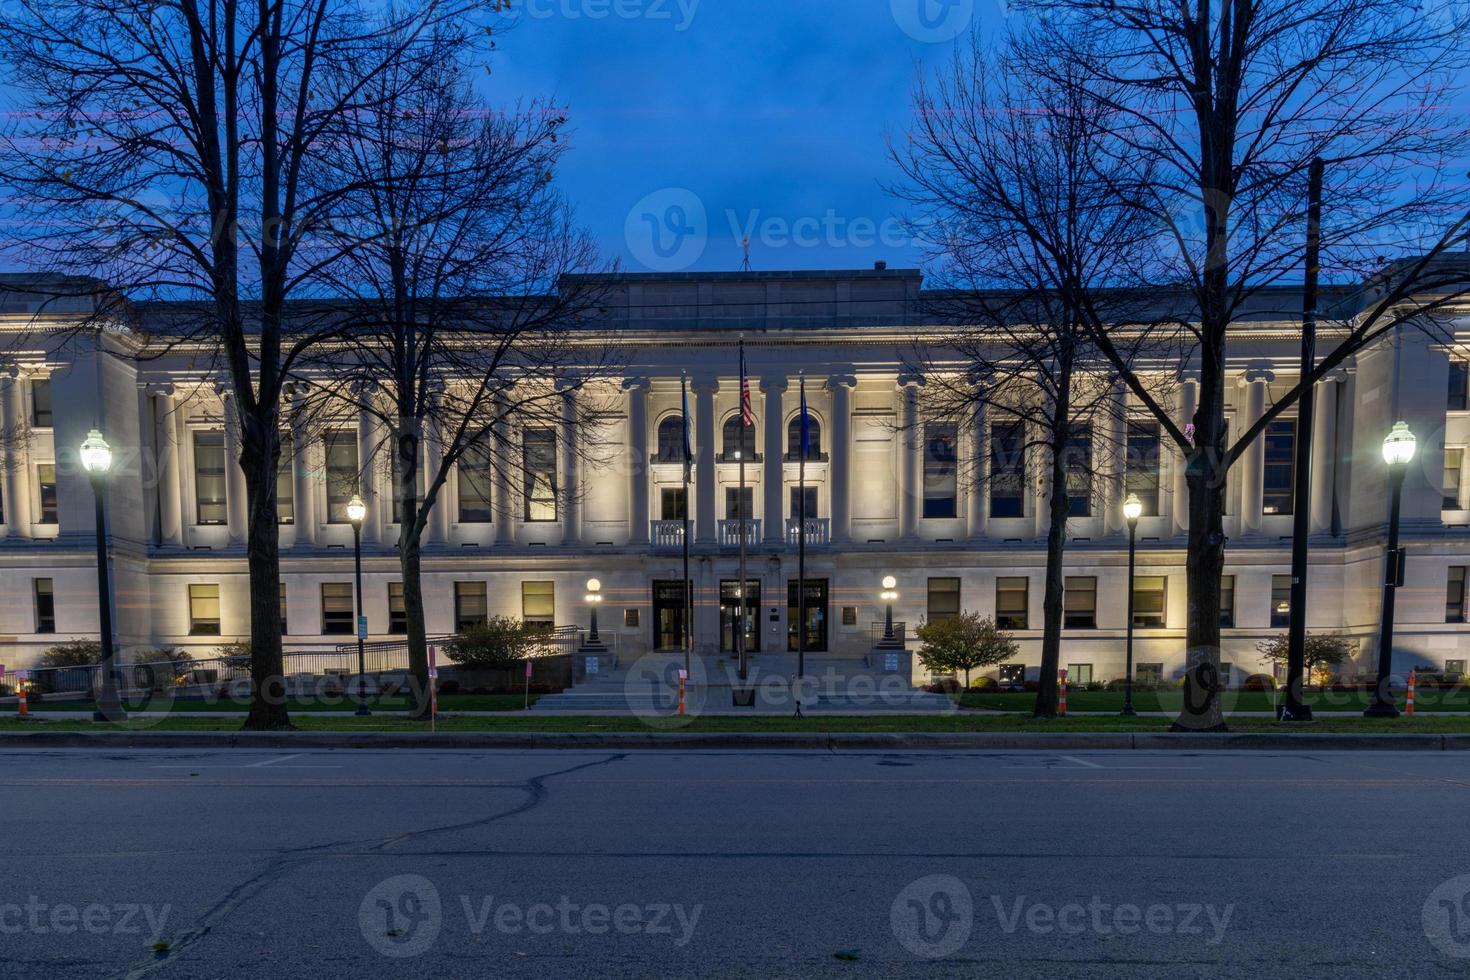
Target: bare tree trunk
{"points": [[259, 454], [1051, 604], [1205, 560], [413, 609]]}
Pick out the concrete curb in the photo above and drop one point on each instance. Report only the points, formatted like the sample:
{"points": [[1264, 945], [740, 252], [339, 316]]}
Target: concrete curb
{"points": [[804, 741]]}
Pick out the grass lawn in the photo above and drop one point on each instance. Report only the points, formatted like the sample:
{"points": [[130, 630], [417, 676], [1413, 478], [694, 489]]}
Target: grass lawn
{"points": [[447, 702], [1455, 699], [963, 722]]}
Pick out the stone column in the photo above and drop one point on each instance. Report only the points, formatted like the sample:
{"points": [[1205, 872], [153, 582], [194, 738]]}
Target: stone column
{"points": [[16, 458], [1188, 404], [1115, 480], [302, 486], [911, 445], [979, 471], [1252, 469], [1324, 451], [507, 506], [637, 389], [704, 459], [571, 523], [367, 481], [773, 476], [840, 456], [166, 465], [436, 530], [234, 475]]}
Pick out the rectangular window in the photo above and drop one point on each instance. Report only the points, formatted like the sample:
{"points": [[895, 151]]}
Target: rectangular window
{"points": [[1149, 600], [204, 610], [473, 481], [397, 614], [538, 603], [209, 478], [1459, 385], [286, 483], [673, 504], [1280, 601], [1454, 460], [1279, 478], [1079, 603], [1079, 472], [631, 618], [1145, 674], [1079, 674], [337, 609], [470, 606], [941, 478], [849, 615], [811, 503], [1012, 675], [1227, 601], [1007, 469], [1454, 600], [46, 492], [1012, 603], [1143, 465], [944, 599], [45, 605], [734, 497], [342, 473], [1454, 666], [539, 449], [41, 416]]}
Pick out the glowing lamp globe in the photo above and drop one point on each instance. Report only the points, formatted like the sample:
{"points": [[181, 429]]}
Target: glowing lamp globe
{"points": [[1132, 507], [1398, 445], [356, 509], [96, 454]]}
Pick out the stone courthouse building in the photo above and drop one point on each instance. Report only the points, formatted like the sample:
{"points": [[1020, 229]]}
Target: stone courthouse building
{"points": [[885, 494]]}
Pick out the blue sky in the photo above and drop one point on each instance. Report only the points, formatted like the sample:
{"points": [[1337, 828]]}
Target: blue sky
{"points": [[768, 117]]}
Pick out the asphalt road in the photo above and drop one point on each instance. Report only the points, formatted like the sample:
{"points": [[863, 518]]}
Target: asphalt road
{"points": [[565, 865]]}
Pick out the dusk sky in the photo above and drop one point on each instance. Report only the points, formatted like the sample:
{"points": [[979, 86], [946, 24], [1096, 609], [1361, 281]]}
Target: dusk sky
{"points": [[694, 120]]}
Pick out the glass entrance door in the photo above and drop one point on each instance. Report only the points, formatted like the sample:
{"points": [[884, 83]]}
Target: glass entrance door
{"points": [[816, 615], [669, 607], [730, 613]]}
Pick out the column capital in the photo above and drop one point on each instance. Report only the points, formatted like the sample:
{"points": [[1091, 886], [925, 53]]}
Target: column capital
{"points": [[160, 390], [704, 384], [1258, 372], [911, 379], [569, 384], [774, 382], [637, 384], [15, 372], [1335, 376], [841, 381], [223, 390]]}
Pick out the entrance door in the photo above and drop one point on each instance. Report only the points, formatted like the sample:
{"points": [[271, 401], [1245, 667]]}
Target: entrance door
{"points": [[730, 613], [816, 615], [669, 607]]}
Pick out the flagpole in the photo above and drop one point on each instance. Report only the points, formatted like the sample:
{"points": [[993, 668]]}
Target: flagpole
{"points": [[740, 591], [801, 552], [688, 589]]}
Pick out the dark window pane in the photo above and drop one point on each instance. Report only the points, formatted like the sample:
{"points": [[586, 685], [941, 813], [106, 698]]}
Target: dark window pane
{"points": [[1007, 469], [941, 487], [1143, 465], [1280, 473]]}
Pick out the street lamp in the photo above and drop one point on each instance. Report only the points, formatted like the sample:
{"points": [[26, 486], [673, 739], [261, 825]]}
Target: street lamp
{"points": [[356, 514], [888, 595], [1398, 450], [594, 599], [1132, 511], [96, 458]]}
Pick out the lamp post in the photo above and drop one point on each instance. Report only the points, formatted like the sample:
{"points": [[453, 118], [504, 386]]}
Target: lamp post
{"points": [[888, 596], [594, 599], [1398, 450], [1132, 511], [356, 513], [96, 458]]}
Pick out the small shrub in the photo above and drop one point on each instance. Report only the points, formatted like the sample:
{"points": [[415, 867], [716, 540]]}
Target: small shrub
{"points": [[985, 684], [76, 653], [501, 641], [1259, 682]]}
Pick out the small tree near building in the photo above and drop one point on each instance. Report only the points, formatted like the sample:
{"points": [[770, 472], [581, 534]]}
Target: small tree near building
{"points": [[499, 642], [965, 643], [1324, 653]]}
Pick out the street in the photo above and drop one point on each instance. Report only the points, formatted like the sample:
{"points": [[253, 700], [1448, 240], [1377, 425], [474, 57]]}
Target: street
{"points": [[746, 864]]}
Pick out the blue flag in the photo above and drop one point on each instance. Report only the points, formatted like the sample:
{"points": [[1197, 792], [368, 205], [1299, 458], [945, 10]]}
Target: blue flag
{"points": [[688, 443]]}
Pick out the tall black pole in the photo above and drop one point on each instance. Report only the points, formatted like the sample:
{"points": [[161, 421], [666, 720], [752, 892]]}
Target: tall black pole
{"points": [[688, 587], [1383, 706], [1128, 643], [739, 627], [362, 708], [109, 704], [801, 560], [1295, 707]]}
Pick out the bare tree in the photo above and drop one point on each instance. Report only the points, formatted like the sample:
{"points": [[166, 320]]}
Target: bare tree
{"points": [[161, 148], [457, 324], [1222, 107], [1009, 171]]}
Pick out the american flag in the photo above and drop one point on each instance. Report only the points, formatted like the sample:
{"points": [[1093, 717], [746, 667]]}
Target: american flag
{"points": [[747, 413]]}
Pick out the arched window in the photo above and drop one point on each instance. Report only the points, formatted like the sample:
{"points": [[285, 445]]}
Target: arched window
{"points": [[814, 437], [738, 440], [671, 439]]}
